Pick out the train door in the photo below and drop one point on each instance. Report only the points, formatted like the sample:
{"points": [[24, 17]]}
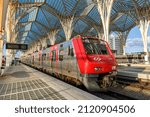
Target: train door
{"points": [[32, 59], [66, 59], [71, 61], [53, 62], [48, 61], [44, 61], [61, 57], [40, 59]]}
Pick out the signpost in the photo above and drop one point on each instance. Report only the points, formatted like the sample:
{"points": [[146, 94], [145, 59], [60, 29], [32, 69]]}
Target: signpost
{"points": [[16, 46]]}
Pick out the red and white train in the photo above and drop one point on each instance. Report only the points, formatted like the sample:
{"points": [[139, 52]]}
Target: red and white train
{"points": [[82, 60]]}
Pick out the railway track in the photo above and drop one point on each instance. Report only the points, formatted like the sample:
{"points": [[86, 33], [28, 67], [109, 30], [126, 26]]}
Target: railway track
{"points": [[123, 80], [113, 95]]}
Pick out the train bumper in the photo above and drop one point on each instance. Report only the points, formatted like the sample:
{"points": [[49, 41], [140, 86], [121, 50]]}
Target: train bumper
{"points": [[114, 73]]}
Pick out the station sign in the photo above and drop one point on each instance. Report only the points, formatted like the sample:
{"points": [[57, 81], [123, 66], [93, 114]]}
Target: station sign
{"points": [[16, 46]]}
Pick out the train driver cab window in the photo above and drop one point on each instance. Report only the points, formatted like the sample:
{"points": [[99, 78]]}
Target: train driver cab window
{"points": [[54, 55], [94, 46]]}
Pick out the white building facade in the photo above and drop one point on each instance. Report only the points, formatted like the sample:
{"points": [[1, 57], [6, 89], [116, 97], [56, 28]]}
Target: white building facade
{"points": [[115, 44]]}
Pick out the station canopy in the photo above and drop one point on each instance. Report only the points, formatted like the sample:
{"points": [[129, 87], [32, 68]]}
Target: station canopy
{"points": [[36, 18]]}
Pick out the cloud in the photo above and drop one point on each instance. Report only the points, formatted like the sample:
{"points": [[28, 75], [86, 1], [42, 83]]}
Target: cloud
{"points": [[135, 45]]}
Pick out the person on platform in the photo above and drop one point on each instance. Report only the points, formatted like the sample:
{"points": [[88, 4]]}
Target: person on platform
{"points": [[3, 65]]}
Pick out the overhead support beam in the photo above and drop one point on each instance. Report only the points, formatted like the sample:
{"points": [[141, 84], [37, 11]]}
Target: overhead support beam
{"points": [[25, 23], [87, 10], [30, 8], [116, 17], [27, 5], [43, 26], [24, 14], [104, 8], [51, 35], [99, 32], [67, 23]]}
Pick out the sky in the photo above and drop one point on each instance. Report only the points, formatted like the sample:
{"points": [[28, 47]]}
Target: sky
{"points": [[134, 41]]}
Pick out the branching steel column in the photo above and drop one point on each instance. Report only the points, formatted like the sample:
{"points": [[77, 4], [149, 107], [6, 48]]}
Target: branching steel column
{"points": [[51, 36], [33, 46], [38, 45], [43, 42], [100, 34], [67, 26], [104, 8], [143, 20], [1, 20], [123, 37], [8, 30], [143, 26]]}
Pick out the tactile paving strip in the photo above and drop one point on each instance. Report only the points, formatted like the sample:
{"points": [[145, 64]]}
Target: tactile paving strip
{"points": [[29, 90]]}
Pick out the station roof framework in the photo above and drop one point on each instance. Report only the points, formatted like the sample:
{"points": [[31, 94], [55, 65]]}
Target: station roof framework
{"points": [[34, 19]]}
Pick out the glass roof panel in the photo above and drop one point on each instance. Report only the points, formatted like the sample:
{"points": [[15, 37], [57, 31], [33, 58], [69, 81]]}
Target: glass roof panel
{"points": [[39, 19]]}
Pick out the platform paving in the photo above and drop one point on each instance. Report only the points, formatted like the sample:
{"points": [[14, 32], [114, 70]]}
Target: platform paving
{"points": [[24, 83]]}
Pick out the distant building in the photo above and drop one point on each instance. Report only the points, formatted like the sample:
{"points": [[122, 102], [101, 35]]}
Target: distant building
{"points": [[115, 44]]}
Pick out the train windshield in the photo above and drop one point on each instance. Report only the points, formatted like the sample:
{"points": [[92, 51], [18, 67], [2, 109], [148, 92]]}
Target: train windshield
{"points": [[95, 46]]}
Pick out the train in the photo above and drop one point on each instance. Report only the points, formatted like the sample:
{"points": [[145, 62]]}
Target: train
{"points": [[84, 61]]}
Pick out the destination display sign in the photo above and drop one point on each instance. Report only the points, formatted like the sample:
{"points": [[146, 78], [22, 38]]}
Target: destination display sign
{"points": [[16, 46]]}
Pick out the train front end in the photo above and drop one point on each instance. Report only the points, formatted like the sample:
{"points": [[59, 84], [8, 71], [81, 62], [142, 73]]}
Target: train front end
{"points": [[97, 64]]}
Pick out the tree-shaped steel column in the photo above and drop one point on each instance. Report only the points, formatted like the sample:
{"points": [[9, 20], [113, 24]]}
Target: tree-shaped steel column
{"points": [[104, 8], [51, 36], [143, 26], [142, 19], [66, 23], [43, 42], [123, 38]]}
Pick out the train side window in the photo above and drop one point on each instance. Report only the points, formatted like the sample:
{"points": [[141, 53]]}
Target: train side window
{"points": [[61, 55], [70, 51], [54, 55], [44, 57], [61, 46], [47, 56]]}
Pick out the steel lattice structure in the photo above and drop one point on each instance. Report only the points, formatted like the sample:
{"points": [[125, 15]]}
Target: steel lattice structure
{"points": [[59, 20]]}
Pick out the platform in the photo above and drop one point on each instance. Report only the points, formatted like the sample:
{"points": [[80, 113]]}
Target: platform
{"points": [[138, 71], [24, 83], [135, 65]]}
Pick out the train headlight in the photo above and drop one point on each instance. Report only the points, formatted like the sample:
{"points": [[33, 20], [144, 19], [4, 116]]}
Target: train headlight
{"points": [[113, 67], [97, 68]]}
